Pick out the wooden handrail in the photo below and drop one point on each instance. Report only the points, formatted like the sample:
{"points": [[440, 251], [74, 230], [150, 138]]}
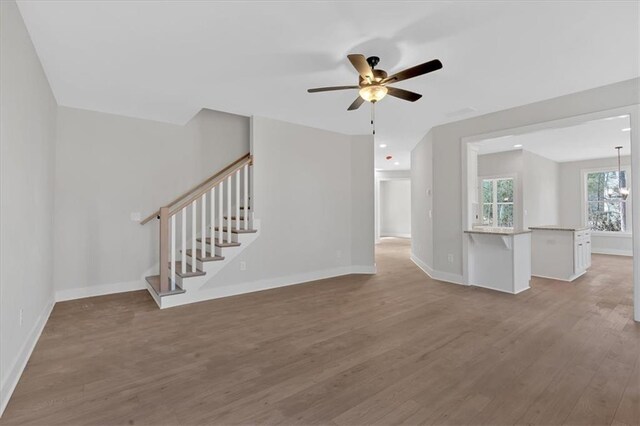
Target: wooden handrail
{"points": [[193, 194]]}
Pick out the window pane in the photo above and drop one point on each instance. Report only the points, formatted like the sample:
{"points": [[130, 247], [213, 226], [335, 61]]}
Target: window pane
{"points": [[603, 186], [487, 191], [505, 191], [505, 215], [606, 215], [487, 214]]}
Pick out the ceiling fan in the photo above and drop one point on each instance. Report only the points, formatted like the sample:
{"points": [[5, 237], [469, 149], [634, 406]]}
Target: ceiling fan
{"points": [[373, 84]]}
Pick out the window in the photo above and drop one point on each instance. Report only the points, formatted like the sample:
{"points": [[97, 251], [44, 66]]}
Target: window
{"points": [[497, 202], [607, 210]]}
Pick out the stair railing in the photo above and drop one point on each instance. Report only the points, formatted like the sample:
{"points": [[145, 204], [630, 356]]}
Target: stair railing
{"points": [[212, 191]]}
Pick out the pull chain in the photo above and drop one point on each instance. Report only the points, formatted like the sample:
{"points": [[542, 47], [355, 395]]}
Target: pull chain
{"points": [[373, 117]]}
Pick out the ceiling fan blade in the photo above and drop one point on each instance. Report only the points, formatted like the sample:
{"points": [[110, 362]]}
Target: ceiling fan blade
{"points": [[421, 69], [360, 63], [356, 104], [328, 89], [403, 94]]}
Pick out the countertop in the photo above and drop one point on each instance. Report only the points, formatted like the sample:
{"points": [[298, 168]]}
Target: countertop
{"points": [[558, 228], [495, 231]]}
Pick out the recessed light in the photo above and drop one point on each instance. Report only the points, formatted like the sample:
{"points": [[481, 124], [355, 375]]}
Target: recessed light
{"points": [[518, 145], [383, 145], [396, 163], [626, 129]]}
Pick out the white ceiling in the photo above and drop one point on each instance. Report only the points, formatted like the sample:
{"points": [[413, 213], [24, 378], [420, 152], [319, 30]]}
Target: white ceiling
{"points": [[585, 141], [165, 60]]}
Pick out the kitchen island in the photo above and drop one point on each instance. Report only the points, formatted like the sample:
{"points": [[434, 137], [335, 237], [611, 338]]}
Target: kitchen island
{"points": [[499, 259], [560, 252]]}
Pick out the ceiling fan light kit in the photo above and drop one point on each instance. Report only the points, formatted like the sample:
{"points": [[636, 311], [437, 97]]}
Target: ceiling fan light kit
{"points": [[373, 84], [373, 92]]}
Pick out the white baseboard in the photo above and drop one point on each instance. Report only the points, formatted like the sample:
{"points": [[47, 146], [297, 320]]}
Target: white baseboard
{"points": [[386, 235], [99, 290], [14, 373], [422, 265], [261, 285], [438, 275], [614, 252], [501, 290]]}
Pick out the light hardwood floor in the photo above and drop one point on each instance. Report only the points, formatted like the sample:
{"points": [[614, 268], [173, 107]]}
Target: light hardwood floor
{"points": [[393, 348]]}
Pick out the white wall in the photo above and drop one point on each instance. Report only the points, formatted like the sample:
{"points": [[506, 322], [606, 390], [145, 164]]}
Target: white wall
{"points": [[381, 175], [109, 166], [313, 195], [572, 203], [541, 190], [395, 208], [537, 185], [422, 203], [505, 164], [27, 139], [448, 165]]}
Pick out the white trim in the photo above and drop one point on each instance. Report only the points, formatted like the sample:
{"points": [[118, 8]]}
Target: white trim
{"points": [[494, 205], [447, 277], [100, 290], [501, 290], [570, 279], [422, 265], [388, 235], [15, 371], [607, 234], [629, 202], [260, 285], [613, 252]]}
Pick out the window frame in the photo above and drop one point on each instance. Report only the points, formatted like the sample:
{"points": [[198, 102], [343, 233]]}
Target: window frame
{"points": [[585, 201], [495, 203]]}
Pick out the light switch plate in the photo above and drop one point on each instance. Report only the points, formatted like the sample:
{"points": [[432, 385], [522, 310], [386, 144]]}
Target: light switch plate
{"points": [[135, 217]]}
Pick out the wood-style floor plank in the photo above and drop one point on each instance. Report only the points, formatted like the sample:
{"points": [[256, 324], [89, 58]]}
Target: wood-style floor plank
{"points": [[394, 348]]}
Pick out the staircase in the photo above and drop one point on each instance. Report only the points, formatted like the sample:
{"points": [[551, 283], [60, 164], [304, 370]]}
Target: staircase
{"points": [[200, 232]]}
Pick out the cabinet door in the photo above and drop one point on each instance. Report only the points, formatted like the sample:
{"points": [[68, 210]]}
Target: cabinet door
{"points": [[587, 254], [578, 258]]}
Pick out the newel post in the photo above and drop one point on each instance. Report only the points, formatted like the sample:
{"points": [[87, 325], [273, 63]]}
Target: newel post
{"points": [[164, 250]]}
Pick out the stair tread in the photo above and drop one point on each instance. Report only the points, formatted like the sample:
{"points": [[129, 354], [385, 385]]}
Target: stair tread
{"points": [[237, 231], [189, 272], [154, 281], [208, 257], [219, 244]]}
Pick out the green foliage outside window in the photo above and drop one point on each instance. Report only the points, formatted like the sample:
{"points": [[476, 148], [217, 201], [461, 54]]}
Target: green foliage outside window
{"points": [[606, 209]]}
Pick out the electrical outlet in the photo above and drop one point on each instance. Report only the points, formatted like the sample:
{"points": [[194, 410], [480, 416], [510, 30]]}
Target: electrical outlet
{"points": [[20, 317], [450, 258], [243, 266]]}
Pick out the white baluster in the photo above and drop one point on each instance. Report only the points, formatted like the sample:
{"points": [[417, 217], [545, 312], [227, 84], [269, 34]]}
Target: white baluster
{"points": [[238, 199], [203, 227], [213, 220], [193, 235], [183, 214], [246, 196], [220, 199], [229, 209], [173, 252]]}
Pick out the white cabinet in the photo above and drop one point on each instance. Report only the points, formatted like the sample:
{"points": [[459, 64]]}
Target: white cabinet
{"points": [[582, 251], [499, 260], [560, 253]]}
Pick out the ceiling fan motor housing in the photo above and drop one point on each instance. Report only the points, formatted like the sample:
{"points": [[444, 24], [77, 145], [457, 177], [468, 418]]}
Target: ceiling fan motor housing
{"points": [[373, 61], [378, 76]]}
